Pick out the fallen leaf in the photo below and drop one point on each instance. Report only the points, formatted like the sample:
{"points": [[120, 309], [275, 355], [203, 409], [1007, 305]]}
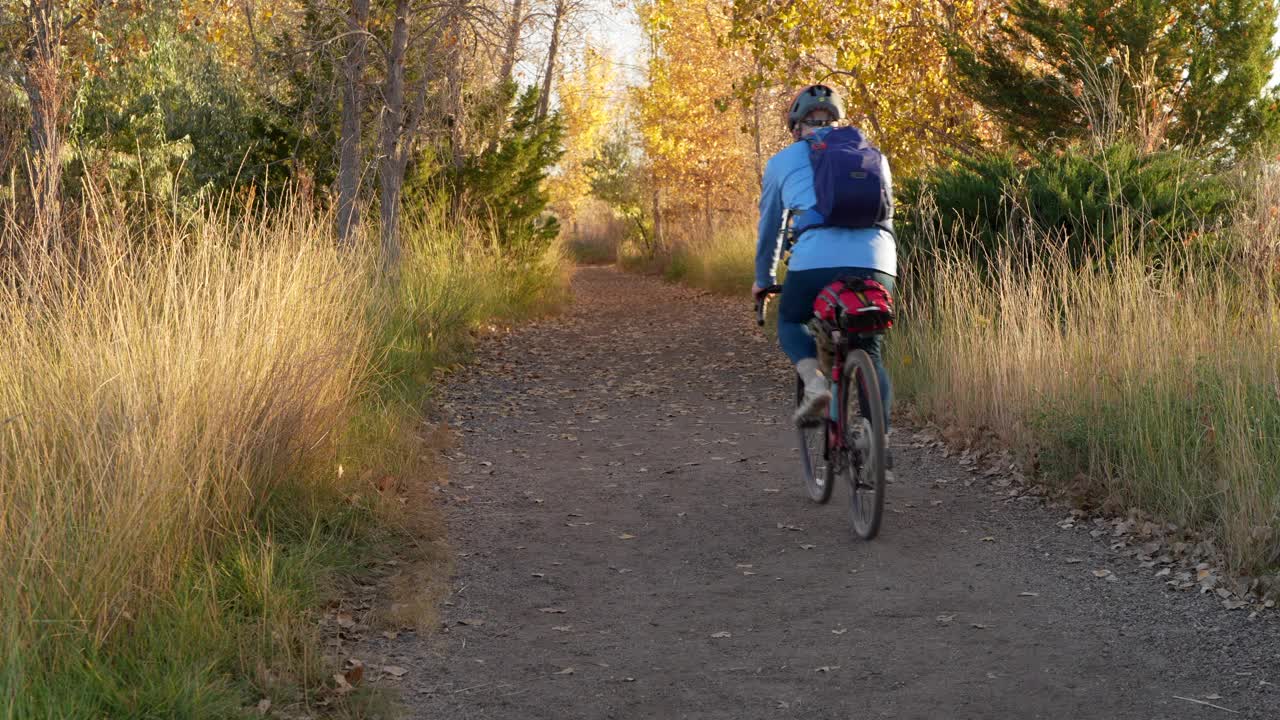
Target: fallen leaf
{"points": [[264, 705], [979, 626], [395, 670], [626, 536], [722, 634], [827, 668], [566, 671], [390, 634], [808, 547], [841, 631], [1101, 573], [945, 618], [1074, 561], [553, 610], [355, 673], [989, 538], [345, 620], [471, 621], [341, 686], [562, 628], [1028, 594]]}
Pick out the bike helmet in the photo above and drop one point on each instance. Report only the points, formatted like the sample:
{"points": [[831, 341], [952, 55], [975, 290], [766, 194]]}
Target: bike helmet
{"points": [[814, 97]]}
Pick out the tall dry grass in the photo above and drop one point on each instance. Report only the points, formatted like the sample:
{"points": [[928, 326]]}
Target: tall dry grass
{"points": [[174, 412], [152, 406], [1150, 388]]}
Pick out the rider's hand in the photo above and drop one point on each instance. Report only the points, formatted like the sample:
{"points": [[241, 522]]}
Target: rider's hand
{"points": [[756, 290]]}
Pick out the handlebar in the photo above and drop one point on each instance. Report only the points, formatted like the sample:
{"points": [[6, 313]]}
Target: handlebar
{"points": [[763, 299]]}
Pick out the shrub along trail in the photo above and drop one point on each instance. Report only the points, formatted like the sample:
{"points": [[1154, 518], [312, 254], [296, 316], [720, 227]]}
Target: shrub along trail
{"points": [[632, 542]]}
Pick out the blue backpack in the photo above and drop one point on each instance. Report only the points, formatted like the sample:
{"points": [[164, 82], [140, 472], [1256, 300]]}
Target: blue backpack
{"points": [[849, 182]]}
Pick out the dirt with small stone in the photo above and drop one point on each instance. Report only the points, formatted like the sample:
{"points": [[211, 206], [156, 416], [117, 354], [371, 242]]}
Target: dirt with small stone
{"points": [[632, 540]]}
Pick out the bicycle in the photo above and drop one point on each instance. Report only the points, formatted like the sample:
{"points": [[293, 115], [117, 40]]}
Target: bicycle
{"points": [[852, 433]]}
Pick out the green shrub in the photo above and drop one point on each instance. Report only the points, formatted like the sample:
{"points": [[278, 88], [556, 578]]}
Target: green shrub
{"points": [[1091, 203]]}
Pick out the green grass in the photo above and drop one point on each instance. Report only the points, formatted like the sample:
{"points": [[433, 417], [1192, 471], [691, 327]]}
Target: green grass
{"points": [[723, 264]]}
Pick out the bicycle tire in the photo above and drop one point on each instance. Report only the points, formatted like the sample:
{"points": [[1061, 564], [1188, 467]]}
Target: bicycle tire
{"points": [[811, 437], [866, 479]]}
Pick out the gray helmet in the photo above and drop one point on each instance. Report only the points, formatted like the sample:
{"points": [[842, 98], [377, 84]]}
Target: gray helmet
{"points": [[814, 97]]}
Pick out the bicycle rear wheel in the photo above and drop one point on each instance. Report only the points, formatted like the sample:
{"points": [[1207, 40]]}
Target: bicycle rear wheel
{"points": [[862, 418], [812, 443]]}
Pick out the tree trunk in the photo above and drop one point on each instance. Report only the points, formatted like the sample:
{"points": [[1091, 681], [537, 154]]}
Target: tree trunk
{"points": [[350, 163], [544, 100], [392, 162], [755, 108], [706, 204], [657, 221], [514, 25], [454, 81], [43, 83]]}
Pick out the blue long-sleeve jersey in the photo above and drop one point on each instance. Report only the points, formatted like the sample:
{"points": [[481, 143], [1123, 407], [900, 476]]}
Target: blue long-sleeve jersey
{"points": [[788, 183]]}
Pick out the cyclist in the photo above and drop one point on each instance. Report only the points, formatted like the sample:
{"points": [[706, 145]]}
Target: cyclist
{"points": [[820, 254]]}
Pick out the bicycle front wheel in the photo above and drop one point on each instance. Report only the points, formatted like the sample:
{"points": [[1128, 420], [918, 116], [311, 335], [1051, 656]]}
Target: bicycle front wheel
{"points": [[862, 421], [812, 443]]}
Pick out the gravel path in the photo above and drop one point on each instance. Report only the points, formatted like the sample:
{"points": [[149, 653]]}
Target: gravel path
{"points": [[632, 542]]}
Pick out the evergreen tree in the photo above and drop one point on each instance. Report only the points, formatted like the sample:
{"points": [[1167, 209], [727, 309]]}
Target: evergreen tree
{"points": [[505, 183], [1185, 72]]}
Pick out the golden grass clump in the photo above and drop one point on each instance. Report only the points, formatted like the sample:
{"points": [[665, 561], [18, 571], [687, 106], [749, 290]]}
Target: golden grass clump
{"points": [[152, 404]]}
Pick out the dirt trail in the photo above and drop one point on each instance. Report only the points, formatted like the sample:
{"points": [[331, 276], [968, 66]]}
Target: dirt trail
{"points": [[634, 543]]}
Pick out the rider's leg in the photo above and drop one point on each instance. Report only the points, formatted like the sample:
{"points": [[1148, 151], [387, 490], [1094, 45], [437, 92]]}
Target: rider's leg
{"points": [[795, 310]]}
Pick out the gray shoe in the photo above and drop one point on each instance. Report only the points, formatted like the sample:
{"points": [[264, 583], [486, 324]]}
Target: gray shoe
{"points": [[817, 392], [816, 401]]}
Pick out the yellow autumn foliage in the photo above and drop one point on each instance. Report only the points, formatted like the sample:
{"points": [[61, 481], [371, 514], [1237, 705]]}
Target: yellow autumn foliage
{"points": [[698, 140], [588, 114]]}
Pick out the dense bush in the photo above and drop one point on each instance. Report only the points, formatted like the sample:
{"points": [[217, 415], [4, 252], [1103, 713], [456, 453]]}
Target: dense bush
{"points": [[1093, 203], [502, 184]]}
